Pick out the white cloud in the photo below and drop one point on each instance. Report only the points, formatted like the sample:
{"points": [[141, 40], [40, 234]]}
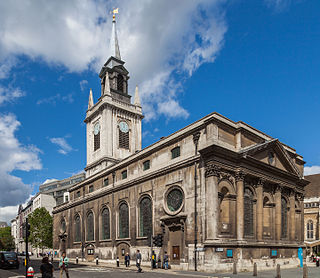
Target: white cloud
{"points": [[311, 170], [279, 5], [14, 156], [9, 94], [64, 147], [54, 99], [159, 40], [83, 84]]}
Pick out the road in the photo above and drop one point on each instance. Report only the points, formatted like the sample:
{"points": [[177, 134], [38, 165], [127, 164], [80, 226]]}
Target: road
{"points": [[82, 271]]}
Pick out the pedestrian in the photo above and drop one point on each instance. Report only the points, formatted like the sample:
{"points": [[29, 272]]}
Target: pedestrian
{"points": [[127, 259], [46, 268], [139, 260], [154, 259], [63, 265], [166, 260], [118, 262]]}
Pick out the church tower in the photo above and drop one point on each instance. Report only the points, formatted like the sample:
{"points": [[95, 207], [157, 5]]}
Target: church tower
{"points": [[113, 123]]}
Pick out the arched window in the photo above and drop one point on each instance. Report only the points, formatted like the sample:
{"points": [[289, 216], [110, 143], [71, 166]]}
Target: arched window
{"points": [[77, 230], [123, 221], [145, 217], [120, 83], [105, 224], [248, 212], [310, 229], [90, 226], [267, 214], [284, 217], [224, 211]]}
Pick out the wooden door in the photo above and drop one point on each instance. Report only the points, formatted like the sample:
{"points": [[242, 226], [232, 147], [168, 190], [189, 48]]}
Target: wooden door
{"points": [[175, 253]]}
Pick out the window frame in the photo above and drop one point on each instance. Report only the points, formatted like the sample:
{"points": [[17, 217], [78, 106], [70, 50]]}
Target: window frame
{"points": [[124, 174], [105, 208], [175, 152], [90, 212], [146, 165]]}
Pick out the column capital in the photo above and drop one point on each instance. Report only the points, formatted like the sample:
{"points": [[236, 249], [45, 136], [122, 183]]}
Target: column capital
{"points": [[196, 137], [261, 182], [277, 188], [212, 170], [239, 175], [293, 193], [300, 197]]}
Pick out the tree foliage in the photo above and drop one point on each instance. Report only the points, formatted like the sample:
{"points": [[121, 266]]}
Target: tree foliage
{"points": [[41, 226], [6, 239]]}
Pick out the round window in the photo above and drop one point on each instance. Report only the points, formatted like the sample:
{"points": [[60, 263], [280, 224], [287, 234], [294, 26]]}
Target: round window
{"points": [[174, 199]]}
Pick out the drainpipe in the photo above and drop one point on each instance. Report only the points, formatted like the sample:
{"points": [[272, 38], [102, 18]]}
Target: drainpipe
{"points": [[196, 137]]}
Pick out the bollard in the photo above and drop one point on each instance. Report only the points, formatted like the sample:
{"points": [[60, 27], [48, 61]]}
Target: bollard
{"points": [[77, 260], [234, 268], [97, 260], [255, 269], [30, 272], [278, 271], [305, 271]]}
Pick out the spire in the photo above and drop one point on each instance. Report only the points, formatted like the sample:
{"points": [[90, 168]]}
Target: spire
{"points": [[115, 50], [107, 85], [136, 97], [90, 104]]}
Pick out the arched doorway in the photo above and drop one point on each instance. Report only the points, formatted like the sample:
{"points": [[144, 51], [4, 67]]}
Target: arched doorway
{"points": [[122, 249]]}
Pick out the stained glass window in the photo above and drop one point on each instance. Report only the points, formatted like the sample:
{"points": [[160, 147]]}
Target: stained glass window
{"points": [[174, 199], [90, 226], [248, 212], [77, 230], [123, 221], [105, 223], [145, 217], [284, 217]]}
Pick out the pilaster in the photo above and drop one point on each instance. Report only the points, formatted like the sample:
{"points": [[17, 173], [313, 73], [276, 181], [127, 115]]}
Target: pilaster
{"points": [[239, 177], [278, 213], [212, 201], [259, 191]]}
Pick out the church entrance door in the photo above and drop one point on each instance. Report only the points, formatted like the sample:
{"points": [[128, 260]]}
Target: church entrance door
{"points": [[176, 252]]}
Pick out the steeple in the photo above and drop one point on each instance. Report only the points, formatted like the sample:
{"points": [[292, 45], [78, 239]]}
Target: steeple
{"points": [[115, 50], [136, 97], [90, 103]]}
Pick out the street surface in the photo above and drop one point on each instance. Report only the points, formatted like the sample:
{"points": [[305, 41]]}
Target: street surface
{"points": [[83, 271]]}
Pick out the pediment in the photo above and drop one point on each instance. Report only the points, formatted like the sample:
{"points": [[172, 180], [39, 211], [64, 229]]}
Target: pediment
{"points": [[273, 153]]}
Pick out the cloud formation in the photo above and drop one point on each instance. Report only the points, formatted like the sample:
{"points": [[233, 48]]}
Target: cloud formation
{"points": [[14, 156], [159, 40], [64, 147], [56, 98], [311, 170], [9, 94]]}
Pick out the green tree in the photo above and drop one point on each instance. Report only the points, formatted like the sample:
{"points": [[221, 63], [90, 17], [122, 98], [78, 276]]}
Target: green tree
{"points": [[6, 239], [41, 226]]}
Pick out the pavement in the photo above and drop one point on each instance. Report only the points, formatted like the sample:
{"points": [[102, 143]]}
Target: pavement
{"points": [[87, 269]]}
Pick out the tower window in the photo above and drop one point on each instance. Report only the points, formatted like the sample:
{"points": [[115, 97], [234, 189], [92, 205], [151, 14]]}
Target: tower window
{"points": [[146, 165], [96, 139], [120, 83], [123, 139], [175, 152]]}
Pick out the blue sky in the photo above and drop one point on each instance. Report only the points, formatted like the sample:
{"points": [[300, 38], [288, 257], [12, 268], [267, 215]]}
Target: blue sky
{"points": [[254, 61]]}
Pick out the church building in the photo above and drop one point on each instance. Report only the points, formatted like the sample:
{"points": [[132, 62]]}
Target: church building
{"points": [[216, 192]]}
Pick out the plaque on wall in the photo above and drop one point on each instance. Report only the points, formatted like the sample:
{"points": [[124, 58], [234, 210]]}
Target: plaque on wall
{"points": [[229, 253], [219, 249]]}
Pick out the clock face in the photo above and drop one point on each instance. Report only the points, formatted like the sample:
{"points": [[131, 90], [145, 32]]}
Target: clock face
{"points": [[124, 127], [96, 128]]}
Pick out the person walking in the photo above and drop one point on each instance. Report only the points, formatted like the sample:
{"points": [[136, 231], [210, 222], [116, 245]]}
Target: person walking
{"points": [[166, 260], [46, 268], [127, 260], [63, 265], [138, 260]]}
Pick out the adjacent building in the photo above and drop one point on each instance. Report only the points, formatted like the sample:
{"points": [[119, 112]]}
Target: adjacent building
{"points": [[59, 188], [217, 191], [3, 224], [312, 214]]}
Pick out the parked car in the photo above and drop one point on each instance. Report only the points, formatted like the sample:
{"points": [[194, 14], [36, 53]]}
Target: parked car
{"points": [[9, 259]]}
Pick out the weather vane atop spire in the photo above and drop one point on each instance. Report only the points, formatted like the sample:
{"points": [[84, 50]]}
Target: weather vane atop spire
{"points": [[115, 11]]}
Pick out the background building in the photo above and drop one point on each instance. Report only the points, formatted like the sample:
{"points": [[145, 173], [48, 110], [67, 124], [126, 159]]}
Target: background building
{"points": [[312, 214], [59, 188], [3, 224]]}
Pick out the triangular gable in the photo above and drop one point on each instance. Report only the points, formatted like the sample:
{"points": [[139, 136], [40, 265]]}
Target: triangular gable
{"points": [[273, 153]]}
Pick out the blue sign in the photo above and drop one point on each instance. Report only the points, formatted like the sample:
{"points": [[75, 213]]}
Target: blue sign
{"points": [[300, 256], [274, 253], [229, 253]]}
